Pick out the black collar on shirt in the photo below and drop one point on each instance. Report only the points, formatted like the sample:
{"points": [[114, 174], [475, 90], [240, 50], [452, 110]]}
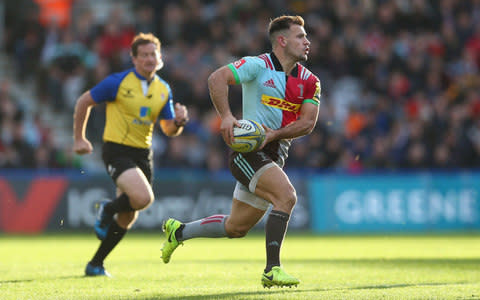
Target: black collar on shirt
{"points": [[278, 65]]}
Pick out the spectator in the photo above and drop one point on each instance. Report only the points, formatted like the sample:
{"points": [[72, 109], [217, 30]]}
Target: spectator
{"points": [[399, 77]]}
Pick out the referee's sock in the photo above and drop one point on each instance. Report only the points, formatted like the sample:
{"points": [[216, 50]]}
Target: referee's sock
{"points": [[114, 235], [120, 204], [275, 229]]}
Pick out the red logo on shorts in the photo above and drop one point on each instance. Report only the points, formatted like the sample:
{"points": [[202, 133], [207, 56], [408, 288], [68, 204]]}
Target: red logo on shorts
{"points": [[239, 63]]}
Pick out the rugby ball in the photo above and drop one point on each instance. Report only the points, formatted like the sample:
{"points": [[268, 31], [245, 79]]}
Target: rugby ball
{"points": [[248, 137]]}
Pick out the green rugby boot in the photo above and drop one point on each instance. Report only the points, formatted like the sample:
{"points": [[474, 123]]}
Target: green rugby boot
{"points": [[278, 277], [170, 226]]}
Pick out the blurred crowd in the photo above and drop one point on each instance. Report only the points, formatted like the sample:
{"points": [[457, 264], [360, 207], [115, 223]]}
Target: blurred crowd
{"points": [[400, 78]]}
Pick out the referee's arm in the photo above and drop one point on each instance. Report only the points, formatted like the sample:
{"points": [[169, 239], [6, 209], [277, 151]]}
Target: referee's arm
{"points": [[174, 127], [170, 128], [81, 145]]}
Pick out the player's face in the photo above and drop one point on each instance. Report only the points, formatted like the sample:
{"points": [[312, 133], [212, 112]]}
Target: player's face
{"points": [[298, 45], [147, 59]]}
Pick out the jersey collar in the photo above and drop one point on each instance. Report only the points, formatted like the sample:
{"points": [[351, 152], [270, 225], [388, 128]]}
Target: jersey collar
{"points": [[140, 76], [278, 65]]}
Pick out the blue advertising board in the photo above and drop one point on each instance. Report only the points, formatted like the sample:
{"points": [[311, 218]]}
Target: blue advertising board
{"points": [[395, 203], [33, 202]]}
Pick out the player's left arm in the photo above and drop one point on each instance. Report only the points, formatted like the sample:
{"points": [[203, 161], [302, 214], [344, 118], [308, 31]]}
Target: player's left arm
{"points": [[173, 127], [302, 126], [173, 117], [306, 120]]}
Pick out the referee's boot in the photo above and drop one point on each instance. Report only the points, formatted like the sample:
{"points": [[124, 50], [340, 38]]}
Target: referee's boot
{"points": [[92, 270], [103, 221]]}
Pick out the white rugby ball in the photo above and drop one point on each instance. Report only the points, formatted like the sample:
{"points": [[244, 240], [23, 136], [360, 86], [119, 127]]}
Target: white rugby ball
{"points": [[248, 137]]}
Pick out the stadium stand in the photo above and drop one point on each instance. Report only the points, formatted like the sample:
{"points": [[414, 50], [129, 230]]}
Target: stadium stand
{"points": [[400, 78]]}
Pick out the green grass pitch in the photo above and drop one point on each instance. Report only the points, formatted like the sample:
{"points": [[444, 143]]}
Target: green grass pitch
{"points": [[330, 267]]}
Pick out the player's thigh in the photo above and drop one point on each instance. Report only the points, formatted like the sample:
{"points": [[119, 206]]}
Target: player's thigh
{"points": [[242, 218], [135, 184], [274, 186], [247, 168], [259, 174]]}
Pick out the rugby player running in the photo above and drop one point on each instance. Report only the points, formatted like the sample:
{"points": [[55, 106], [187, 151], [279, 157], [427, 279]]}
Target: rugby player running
{"points": [[282, 95]]}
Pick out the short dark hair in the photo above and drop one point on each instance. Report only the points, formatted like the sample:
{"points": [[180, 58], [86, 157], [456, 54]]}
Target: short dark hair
{"points": [[143, 39], [282, 23]]}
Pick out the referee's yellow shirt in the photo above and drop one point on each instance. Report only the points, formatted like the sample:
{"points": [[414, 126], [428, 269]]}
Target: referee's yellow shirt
{"points": [[133, 107]]}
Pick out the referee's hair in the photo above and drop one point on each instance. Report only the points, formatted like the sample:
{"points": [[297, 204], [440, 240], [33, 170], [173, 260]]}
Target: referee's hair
{"points": [[142, 39], [283, 23]]}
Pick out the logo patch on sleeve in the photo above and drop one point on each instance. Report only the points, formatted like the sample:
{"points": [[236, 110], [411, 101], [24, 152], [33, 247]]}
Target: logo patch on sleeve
{"points": [[239, 63]]}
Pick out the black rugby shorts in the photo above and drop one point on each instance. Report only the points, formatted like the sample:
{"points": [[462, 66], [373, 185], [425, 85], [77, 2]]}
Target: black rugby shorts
{"points": [[118, 158], [244, 166]]}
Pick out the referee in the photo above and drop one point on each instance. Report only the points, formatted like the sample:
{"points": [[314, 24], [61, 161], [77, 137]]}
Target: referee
{"points": [[135, 100]]}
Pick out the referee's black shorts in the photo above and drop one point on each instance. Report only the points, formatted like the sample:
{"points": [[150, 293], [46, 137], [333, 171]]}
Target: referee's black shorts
{"points": [[118, 158]]}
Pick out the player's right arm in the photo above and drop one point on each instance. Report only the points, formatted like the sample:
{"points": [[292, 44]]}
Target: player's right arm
{"points": [[104, 91], [218, 83], [81, 145]]}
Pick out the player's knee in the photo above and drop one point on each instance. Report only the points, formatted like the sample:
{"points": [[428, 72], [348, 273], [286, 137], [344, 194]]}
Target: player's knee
{"points": [[141, 200], [237, 234], [291, 198], [287, 200]]}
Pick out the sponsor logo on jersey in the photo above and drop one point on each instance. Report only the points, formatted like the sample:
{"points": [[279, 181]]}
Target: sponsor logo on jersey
{"points": [[145, 111], [270, 83], [142, 122], [280, 103], [239, 63]]}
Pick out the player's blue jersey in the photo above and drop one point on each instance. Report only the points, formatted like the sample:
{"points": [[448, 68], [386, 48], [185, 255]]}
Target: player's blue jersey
{"points": [[133, 106], [271, 97]]}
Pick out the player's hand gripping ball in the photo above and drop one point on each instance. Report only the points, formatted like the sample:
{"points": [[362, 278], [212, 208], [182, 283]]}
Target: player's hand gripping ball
{"points": [[248, 137]]}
